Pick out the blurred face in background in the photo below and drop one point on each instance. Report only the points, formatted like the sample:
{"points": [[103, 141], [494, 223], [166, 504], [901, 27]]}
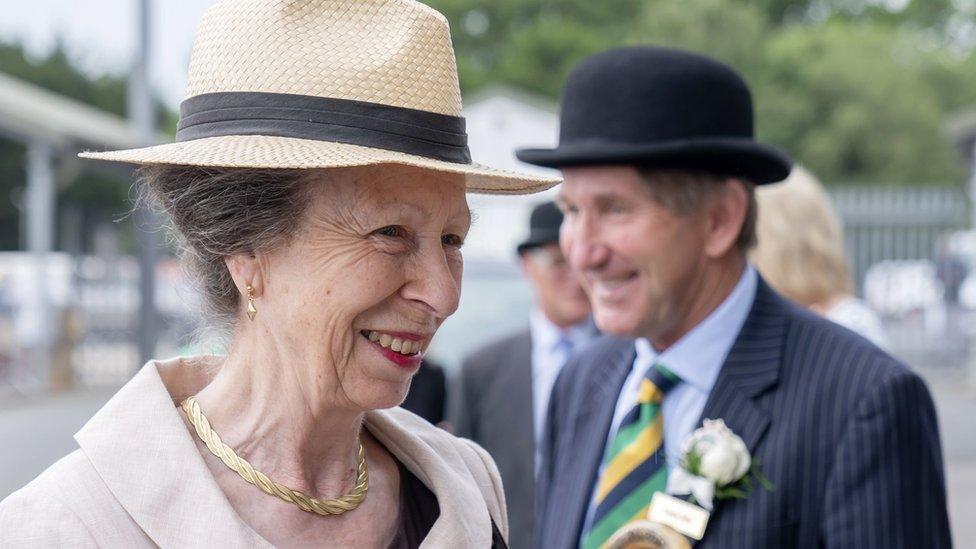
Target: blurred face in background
{"points": [[557, 290]]}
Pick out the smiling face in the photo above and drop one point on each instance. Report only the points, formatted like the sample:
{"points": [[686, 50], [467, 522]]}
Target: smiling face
{"points": [[360, 290], [638, 261]]}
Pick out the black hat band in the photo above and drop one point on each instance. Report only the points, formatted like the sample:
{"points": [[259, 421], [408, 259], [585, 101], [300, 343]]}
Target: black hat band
{"points": [[411, 131]]}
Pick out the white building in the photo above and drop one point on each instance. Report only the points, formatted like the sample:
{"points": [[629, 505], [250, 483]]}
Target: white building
{"points": [[500, 120]]}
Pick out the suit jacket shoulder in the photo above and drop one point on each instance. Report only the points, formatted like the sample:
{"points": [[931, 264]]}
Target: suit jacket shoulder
{"points": [[427, 396], [843, 365], [484, 360], [579, 414], [497, 362], [493, 405], [581, 372], [594, 370], [847, 433]]}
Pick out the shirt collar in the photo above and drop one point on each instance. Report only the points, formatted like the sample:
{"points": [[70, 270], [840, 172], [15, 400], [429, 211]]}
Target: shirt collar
{"points": [[698, 357], [547, 335]]}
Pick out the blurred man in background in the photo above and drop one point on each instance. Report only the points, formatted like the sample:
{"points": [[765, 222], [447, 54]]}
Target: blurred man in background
{"points": [[504, 387]]}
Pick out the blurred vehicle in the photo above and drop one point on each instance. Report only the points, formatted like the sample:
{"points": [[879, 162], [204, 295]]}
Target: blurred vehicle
{"points": [[896, 288]]}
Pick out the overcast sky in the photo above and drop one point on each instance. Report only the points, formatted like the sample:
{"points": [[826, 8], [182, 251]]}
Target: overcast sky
{"points": [[100, 35]]}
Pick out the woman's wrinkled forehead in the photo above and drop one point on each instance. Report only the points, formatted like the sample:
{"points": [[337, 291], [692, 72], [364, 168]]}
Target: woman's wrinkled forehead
{"points": [[367, 190]]}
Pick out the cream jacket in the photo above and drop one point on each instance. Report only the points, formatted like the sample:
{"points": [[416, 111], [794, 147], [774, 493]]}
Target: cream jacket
{"points": [[139, 481]]}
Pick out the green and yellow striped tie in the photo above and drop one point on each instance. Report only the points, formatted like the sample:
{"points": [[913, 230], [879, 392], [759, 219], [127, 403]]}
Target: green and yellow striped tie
{"points": [[634, 466]]}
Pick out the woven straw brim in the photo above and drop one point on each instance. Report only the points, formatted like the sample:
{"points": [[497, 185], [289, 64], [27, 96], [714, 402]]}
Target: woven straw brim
{"points": [[257, 151]]}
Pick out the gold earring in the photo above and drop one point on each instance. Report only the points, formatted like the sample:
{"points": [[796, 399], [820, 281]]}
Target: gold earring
{"points": [[251, 311]]}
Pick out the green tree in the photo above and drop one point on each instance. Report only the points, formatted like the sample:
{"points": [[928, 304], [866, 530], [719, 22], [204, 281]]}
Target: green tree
{"points": [[531, 44], [732, 32], [55, 72], [857, 90], [852, 103], [927, 14]]}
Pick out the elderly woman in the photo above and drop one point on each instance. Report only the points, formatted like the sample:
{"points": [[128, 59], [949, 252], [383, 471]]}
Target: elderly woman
{"points": [[318, 183], [800, 253]]}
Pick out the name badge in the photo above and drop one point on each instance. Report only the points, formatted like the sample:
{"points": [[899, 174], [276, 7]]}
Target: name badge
{"points": [[684, 517]]}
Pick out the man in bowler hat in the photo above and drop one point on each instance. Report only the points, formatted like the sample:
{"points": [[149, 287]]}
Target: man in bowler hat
{"points": [[504, 387], [660, 164]]}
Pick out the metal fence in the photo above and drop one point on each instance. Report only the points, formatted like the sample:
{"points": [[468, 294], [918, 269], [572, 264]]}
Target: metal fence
{"points": [[899, 242], [897, 223], [92, 335]]}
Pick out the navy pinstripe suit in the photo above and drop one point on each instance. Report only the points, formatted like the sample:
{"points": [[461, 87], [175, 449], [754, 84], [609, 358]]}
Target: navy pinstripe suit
{"points": [[846, 433]]}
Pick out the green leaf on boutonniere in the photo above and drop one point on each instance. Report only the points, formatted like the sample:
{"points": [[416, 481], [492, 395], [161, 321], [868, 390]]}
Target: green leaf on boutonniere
{"points": [[744, 486], [731, 492], [760, 477]]}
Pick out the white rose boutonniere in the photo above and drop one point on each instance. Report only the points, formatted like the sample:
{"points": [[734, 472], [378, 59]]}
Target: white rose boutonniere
{"points": [[715, 463]]}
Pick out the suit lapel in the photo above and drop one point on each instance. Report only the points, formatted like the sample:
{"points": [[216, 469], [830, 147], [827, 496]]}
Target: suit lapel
{"points": [[751, 368], [155, 491], [599, 401]]}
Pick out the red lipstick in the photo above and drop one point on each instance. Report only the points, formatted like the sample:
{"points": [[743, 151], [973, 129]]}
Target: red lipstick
{"points": [[404, 361]]}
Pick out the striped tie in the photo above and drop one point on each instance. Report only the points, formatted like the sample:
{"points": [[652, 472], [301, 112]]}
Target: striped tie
{"points": [[634, 466]]}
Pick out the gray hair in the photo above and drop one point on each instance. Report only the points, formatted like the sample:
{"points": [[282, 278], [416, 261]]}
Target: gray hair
{"points": [[214, 213], [684, 192]]}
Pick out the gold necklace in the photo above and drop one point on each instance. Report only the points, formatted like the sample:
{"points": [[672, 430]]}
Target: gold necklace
{"points": [[239, 465]]}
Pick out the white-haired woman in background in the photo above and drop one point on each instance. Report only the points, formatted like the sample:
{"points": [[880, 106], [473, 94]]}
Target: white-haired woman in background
{"points": [[800, 253]]}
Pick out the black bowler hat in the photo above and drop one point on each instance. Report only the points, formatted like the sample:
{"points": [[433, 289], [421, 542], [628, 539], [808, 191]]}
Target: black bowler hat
{"points": [[543, 227], [661, 108]]}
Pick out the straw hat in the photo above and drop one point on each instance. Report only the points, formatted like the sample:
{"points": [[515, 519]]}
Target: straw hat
{"points": [[321, 84]]}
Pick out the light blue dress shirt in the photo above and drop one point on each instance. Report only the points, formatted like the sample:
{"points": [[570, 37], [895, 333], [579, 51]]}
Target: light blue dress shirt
{"points": [[551, 349], [696, 358]]}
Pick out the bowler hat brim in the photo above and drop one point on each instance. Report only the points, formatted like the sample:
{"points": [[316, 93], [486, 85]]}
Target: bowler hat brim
{"points": [[538, 238], [734, 157]]}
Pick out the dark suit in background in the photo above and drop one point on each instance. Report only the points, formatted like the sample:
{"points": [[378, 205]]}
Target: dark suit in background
{"points": [[504, 387], [428, 393], [494, 409], [847, 434]]}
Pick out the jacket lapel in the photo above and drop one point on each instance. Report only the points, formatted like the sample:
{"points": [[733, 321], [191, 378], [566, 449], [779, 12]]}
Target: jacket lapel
{"points": [[599, 400], [138, 444], [751, 368], [466, 517]]}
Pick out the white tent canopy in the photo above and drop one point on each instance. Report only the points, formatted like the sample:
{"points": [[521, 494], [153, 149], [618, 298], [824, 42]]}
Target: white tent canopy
{"points": [[32, 113]]}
